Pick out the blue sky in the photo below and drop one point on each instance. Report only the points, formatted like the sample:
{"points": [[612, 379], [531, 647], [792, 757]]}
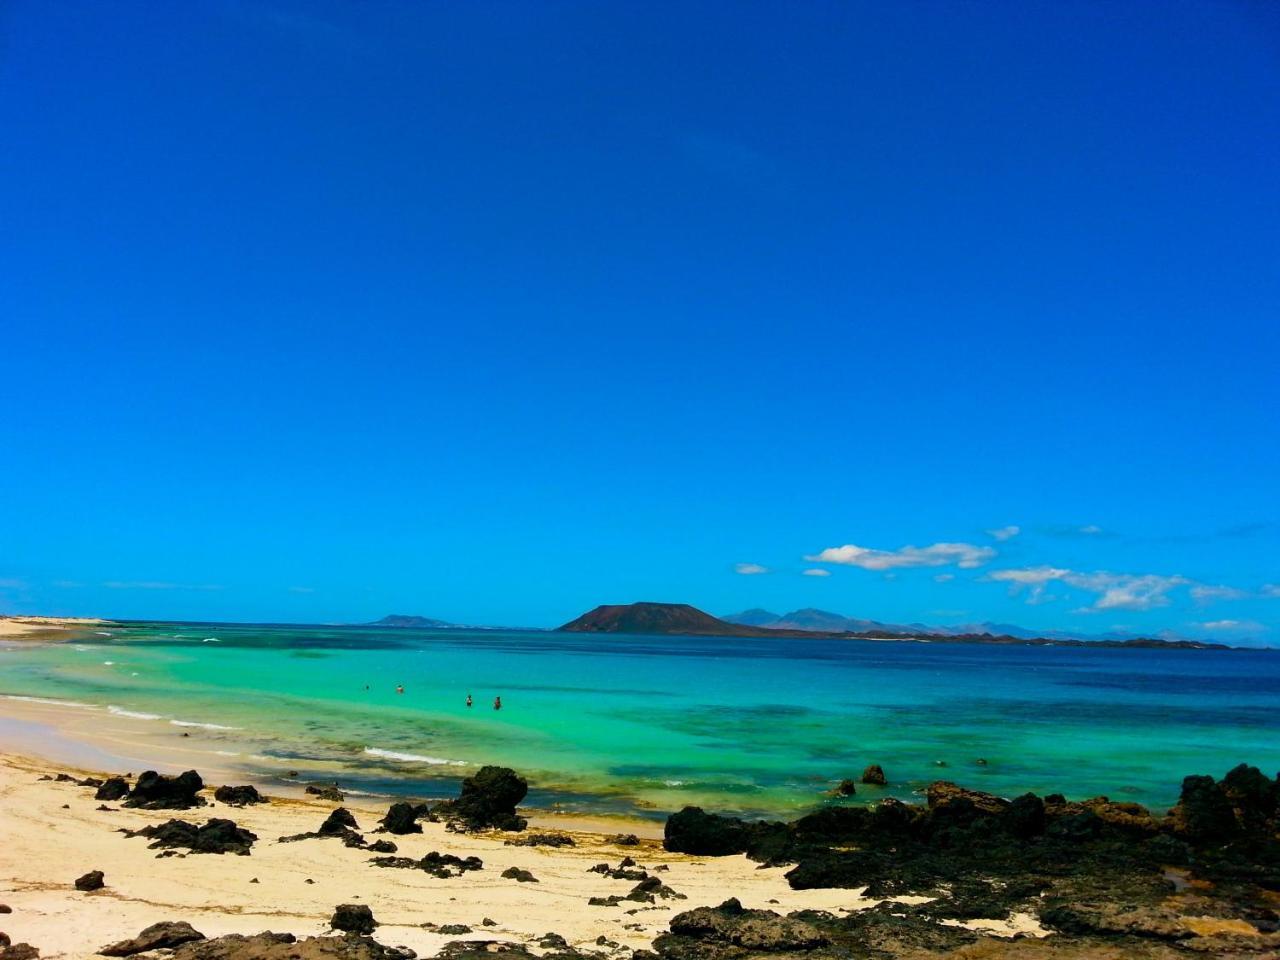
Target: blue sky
{"points": [[494, 312]]}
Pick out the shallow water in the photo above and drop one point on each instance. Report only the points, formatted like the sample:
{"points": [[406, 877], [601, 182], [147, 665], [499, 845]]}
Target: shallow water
{"points": [[648, 724]]}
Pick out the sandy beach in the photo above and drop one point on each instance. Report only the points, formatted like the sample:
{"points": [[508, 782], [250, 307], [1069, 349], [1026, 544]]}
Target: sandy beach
{"points": [[43, 628], [54, 832]]}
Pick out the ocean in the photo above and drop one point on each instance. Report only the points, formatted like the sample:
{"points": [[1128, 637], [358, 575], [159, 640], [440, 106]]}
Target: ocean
{"points": [[645, 725]]}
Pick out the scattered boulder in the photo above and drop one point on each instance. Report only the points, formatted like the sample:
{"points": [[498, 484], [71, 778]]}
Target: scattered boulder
{"points": [[158, 936], [112, 789], [153, 791], [19, 951], [453, 929], [402, 818], [238, 796], [215, 836], [874, 776], [93, 880], [845, 788], [382, 846], [488, 800], [324, 792], [623, 840], [341, 825], [443, 865], [354, 918], [338, 821], [515, 873], [543, 840], [652, 888]]}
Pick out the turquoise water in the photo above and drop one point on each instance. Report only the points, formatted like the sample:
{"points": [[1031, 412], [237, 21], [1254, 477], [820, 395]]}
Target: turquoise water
{"points": [[648, 724]]}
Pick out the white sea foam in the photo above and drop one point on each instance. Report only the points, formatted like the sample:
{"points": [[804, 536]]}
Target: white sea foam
{"points": [[673, 783], [108, 663], [53, 703], [210, 640], [413, 757], [79, 648], [132, 714], [203, 726], [103, 633], [226, 753]]}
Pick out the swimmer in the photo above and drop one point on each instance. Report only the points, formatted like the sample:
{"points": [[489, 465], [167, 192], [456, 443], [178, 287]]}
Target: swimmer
{"points": [[497, 703], [468, 699], [399, 688]]}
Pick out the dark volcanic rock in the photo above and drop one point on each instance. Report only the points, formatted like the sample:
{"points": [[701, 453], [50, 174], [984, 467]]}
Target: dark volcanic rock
{"points": [[284, 946], [543, 840], [402, 818], [155, 937], [453, 929], [238, 796], [353, 918], [623, 840], [215, 836], [152, 791], [1203, 812], [488, 800], [325, 792], [695, 831], [114, 788], [515, 873], [382, 846], [93, 880], [845, 788], [19, 951], [756, 931], [338, 821], [874, 775], [340, 825], [443, 865]]}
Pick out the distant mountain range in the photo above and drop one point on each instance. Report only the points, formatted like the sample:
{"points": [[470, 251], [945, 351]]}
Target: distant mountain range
{"points": [[824, 621], [684, 620]]}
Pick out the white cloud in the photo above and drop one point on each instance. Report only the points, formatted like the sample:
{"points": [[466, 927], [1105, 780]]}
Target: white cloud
{"points": [[1005, 533], [1090, 530], [749, 569], [1116, 591], [1270, 590], [157, 585], [1206, 593], [944, 577], [1232, 625], [964, 555], [12, 583], [817, 572]]}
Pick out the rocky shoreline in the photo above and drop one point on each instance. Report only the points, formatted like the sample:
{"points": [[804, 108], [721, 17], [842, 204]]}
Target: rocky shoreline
{"points": [[1100, 878]]}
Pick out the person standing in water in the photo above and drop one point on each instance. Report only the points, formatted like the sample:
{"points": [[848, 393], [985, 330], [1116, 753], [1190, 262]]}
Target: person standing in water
{"points": [[468, 699], [497, 703], [399, 688]]}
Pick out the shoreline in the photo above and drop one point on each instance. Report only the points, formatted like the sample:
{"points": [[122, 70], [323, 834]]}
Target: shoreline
{"points": [[89, 739]]}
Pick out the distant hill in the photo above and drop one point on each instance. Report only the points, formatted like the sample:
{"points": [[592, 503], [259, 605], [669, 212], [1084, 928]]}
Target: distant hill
{"points": [[420, 623], [665, 618], [681, 619], [755, 617]]}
